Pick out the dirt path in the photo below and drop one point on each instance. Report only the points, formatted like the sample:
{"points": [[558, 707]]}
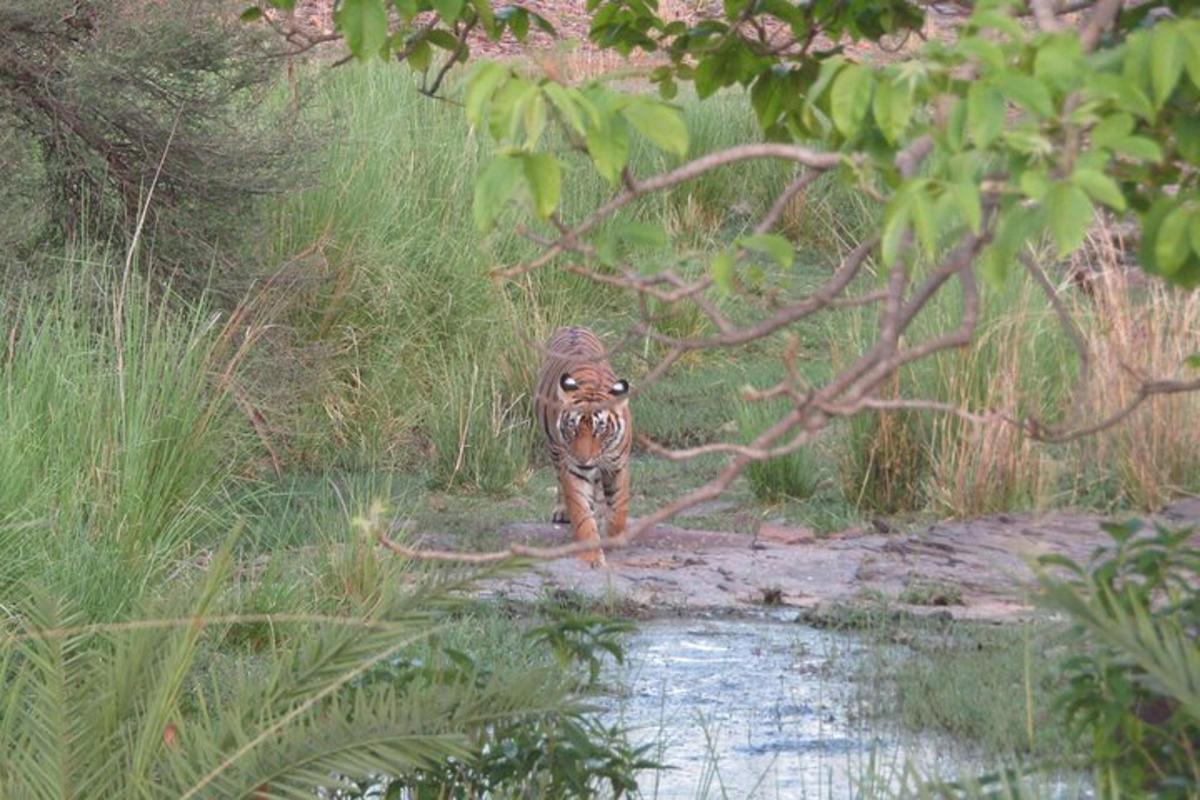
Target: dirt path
{"points": [[971, 570]]}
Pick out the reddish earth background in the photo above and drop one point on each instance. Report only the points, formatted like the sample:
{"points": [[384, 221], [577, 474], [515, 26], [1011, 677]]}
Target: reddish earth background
{"points": [[571, 20]]}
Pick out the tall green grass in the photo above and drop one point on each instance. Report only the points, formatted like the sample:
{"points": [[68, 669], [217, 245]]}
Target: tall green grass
{"points": [[114, 436], [404, 351]]}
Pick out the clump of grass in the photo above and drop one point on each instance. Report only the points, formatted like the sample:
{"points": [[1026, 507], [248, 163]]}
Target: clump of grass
{"points": [[1144, 333], [960, 679], [931, 593], [885, 461], [483, 437], [794, 476], [114, 441], [1021, 364]]}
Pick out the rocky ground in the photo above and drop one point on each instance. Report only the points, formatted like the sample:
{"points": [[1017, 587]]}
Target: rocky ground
{"points": [[976, 570]]}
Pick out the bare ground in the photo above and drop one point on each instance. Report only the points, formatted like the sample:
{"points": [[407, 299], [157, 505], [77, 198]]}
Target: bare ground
{"points": [[976, 570]]}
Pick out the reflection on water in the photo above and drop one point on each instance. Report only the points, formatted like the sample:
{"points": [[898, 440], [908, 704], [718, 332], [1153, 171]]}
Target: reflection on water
{"points": [[746, 708]]}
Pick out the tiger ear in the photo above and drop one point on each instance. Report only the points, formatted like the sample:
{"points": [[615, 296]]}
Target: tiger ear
{"points": [[568, 383], [620, 387]]}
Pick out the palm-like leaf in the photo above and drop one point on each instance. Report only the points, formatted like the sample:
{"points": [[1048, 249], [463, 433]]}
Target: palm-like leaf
{"points": [[99, 711]]}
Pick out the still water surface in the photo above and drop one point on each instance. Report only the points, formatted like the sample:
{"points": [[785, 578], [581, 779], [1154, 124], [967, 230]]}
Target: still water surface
{"points": [[760, 708]]}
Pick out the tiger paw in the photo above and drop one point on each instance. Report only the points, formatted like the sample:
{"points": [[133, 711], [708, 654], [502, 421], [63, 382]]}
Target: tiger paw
{"points": [[594, 558]]}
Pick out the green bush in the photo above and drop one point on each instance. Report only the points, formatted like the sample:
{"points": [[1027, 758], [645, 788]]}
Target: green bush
{"points": [[114, 98], [1132, 683]]}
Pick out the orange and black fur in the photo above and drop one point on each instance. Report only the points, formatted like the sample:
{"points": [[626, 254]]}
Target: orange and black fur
{"points": [[583, 409]]}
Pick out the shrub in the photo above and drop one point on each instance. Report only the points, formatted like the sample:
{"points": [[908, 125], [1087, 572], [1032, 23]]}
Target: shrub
{"points": [[1133, 688], [114, 98]]}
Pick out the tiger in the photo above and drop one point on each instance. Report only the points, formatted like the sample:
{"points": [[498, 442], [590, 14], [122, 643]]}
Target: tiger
{"points": [[583, 410]]}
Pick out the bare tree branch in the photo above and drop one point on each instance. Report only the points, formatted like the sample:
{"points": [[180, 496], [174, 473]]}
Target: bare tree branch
{"points": [[1065, 320], [1102, 15]]}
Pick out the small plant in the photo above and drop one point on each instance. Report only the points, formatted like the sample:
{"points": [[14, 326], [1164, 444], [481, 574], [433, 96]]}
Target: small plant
{"points": [[920, 592], [771, 595], [583, 639], [794, 476], [1133, 689]]}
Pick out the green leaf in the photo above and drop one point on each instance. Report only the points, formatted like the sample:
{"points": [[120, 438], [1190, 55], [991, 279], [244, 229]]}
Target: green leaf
{"points": [[956, 125], [1099, 187], [1171, 246], [640, 234], [966, 197], [507, 111], [1069, 214], [482, 83], [1060, 59], [1137, 147], [565, 101], [1166, 61], [420, 56], [448, 10], [1111, 129], [364, 25], [1016, 226], [1034, 183], [406, 8], [1195, 232], [777, 247], [484, 9], [985, 113], [1187, 137], [534, 112], [608, 145], [544, 176], [893, 107], [850, 99], [722, 272], [992, 18], [660, 123], [250, 14], [494, 187], [1191, 50], [894, 226], [518, 23], [1192, 361], [924, 223], [443, 39], [1027, 92]]}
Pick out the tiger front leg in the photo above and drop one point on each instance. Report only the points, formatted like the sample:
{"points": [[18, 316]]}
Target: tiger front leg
{"points": [[616, 496], [579, 497], [560, 516]]}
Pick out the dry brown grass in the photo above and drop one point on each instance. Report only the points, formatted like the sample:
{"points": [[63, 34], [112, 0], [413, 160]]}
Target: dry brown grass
{"points": [[983, 469], [1142, 333]]}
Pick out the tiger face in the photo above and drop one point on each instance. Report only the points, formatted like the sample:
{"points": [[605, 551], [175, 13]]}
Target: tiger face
{"points": [[592, 419]]}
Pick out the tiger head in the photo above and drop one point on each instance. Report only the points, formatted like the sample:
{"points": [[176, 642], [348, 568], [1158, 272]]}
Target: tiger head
{"points": [[593, 412]]}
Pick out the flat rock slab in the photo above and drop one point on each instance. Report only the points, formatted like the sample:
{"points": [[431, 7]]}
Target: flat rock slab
{"points": [[983, 563]]}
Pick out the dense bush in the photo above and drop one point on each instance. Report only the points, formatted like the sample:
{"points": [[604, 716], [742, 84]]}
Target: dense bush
{"points": [[107, 100]]}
